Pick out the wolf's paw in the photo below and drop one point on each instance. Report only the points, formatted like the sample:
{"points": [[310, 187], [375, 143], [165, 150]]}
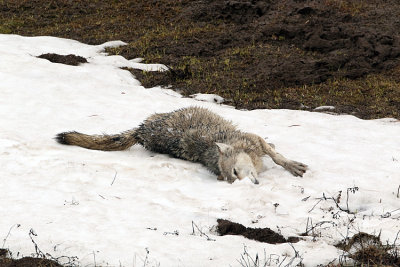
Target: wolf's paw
{"points": [[296, 168]]}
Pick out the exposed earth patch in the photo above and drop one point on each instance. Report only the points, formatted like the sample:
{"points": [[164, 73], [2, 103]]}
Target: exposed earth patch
{"points": [[334, 38], [72, 60], [6, 261], [256, 54], [266, 235], [368, 249]]}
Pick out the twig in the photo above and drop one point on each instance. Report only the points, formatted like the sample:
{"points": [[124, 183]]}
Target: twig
{"points": [[397, 235], [347, 210], [395, 249], [39, 253], [389, 213], [296, 255], [317, 225], [270, 260], [72, 203], [9, 232], [308, 219], [176, 232], [147, 256], [115, 176], [94, 258], [315, 205], [72, 261], [201, 233], [305, 199], [248, 261], [352, 189], [331, 262], [282, 261]]}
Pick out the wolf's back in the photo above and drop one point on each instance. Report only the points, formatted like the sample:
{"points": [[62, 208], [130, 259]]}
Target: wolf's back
{"points": [[105, 142], [181, 132], [184, 133]]}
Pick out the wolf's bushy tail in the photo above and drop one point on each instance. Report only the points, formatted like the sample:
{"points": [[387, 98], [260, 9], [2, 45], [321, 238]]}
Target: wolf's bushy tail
{"points": [[104, 142]]}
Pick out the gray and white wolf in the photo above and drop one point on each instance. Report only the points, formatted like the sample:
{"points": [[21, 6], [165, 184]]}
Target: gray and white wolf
{"points": [[195, 134]]}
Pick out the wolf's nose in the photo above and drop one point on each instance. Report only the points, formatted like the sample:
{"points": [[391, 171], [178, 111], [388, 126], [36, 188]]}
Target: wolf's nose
{"points": [[256, 181]]}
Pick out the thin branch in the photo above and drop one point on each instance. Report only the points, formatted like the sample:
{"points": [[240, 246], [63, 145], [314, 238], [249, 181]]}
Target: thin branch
{"points": [[115, 176], [94, 258], [9, 232], [315, 205], [201, 233]]}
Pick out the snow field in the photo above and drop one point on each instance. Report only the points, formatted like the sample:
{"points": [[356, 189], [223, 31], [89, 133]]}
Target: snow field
{"points": [[107, 208]]}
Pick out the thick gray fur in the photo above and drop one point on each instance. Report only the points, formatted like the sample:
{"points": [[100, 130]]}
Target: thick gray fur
{"points": [[195, 134]]}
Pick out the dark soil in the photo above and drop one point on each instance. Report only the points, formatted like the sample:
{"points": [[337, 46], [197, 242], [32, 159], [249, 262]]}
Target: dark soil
{"points": [[317, 39], [276, 54], [6, 261], [368, 250], [265, 235], [297, 54], [72, 60]]}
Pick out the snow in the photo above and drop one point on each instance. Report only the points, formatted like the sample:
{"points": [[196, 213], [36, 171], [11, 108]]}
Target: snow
{"points": [[213, 98], [321, 108], [135, 207]]}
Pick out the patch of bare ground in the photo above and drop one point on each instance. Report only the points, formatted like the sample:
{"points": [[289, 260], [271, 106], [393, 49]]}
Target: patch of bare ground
{"points": [[266, 235], [367, 250], [7, 261], [72, 60], [256, 54]]}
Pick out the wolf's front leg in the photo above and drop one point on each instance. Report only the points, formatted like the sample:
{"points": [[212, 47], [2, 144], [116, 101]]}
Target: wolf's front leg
{"points": [[294, 167]]}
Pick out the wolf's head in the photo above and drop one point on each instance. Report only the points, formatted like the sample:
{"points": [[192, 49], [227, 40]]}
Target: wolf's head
{"points": [[235, 164]]}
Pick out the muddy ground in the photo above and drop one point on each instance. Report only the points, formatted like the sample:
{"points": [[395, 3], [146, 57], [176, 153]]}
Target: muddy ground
{"points": [[72, 60], [294, 54], [266, 235], [7, 261]]}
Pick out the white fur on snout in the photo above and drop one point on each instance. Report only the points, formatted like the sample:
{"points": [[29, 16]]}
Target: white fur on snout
{"points": [[245, 168]]}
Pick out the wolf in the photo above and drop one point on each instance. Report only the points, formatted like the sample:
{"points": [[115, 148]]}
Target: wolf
{"points": [[195, 134]]}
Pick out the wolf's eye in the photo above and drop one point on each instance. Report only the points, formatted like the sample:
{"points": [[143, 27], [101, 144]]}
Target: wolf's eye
{"points": [[235, 172]]}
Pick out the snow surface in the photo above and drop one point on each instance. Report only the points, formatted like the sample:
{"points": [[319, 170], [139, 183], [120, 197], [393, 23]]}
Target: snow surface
{"points": [[111, 208], [212, 98], [324, 108]]}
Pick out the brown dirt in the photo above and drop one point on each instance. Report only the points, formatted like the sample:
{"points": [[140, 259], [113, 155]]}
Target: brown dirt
{"points": [[367, 249], [6, 261], [317, 39], [265, 235], [296, 54], [72, 60]]}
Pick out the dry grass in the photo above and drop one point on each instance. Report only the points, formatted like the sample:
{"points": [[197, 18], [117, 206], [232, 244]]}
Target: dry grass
{"points": [[158, 32]]}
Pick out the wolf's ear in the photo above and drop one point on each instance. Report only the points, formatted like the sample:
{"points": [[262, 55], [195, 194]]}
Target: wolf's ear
{"points": [[223, 148]]}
